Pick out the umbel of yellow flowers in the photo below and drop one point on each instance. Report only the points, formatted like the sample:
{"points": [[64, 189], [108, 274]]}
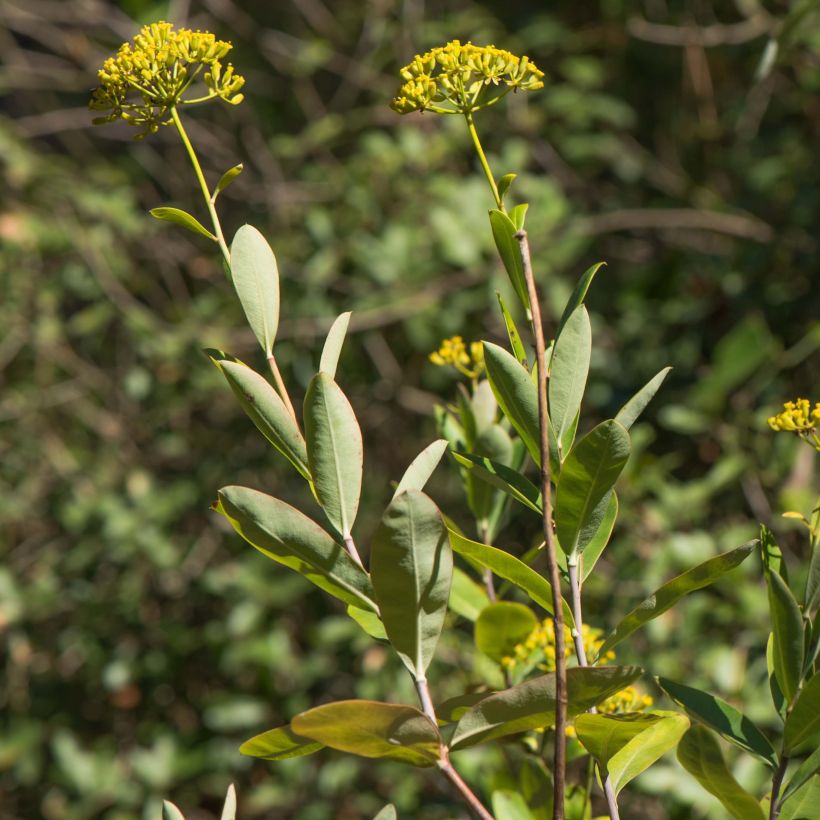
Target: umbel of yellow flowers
{"points": [[799, 417], [145, 80], [460, 79], [454, 352]]}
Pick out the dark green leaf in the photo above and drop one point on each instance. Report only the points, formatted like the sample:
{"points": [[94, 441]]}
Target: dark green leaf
{"points": [[502, 625], [334, 450], [422, 467], [182, 218], [594, 549], [502, 477], [803, 722], [723, 718], [671, 592], [504, 231], [372, 729], [411, 565], [227, 178], [700, 755], [279, 744], [256, 279], [578, 295], [333, 345], [787, 628], [531, 705], [512, 332], [291, 538], [587, 476], [630, 412]]}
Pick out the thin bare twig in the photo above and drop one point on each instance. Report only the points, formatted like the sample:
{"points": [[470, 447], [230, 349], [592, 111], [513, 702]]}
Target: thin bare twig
{"points": [[560, 761], [717, 34]]}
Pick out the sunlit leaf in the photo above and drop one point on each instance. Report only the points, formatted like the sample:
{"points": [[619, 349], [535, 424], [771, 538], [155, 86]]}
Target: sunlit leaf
{"points": [[518, 349], [229, 806], [510, 805], [369, 621], [630, 412], [227, 178], [279, 744], [422, 467], [787, 628], [803, 722], [387, 813], [171, 812], [333, 345], [804, 772], [504, 184], [578, 295], [503, 478], [504, 231], [184, 219], [595, 548], [467, 598], [803, 804]]}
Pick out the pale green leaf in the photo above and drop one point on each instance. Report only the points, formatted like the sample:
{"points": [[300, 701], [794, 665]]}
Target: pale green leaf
{"points": [[334, 450], [182, 218], [372, 729], [369, 621], [595, 548], [171, 812], [503, 478], [411, 565], [787, 628], [502, 625], [333, 345], [630, 412], [518, 215], [229, 806], [578, 295], [804, 804], [422, 467], [510, 805], [504, 184], [504, 231], [387, 813], [227, 178], [467, 598], [802, 774], [803, 722]]}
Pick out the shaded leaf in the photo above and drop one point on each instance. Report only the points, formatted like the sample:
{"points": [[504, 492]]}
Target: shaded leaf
{"points": [[510, 805], [595, 548], [787, 627], [587, 476], [422, 467], [812, 595], [722, 717], [411, 565], [372, 729], [804, 772], [630, 412], [518, 349], [284, 534], [502, 625], [227, 178], [467, 598], [700, 755], [671, 592], [578, 294], [334, 450], [504, 231], [804, 804], [184, 219], [256, 279], [503, 478], [803, 722], [453, 708], [531, 705], [771, 554], [171, 812], [279, 744], [333, 345], [387, 813]]}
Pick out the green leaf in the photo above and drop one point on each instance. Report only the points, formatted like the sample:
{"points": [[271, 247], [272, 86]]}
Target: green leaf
{"points": [[334, 450], [369, 621], [504, 231], [723, 718], [771, 554], [284, 534], [626, 745], [587, 476], [509, 568], [803, 722], [504, 184], [229, 806], [227, 178], [807, 769], [531, 705], [804, 804], [516, 344], [184, 219], [516, 395], [630, 412], [333, 345], [467, 598], [387, 813], [171, 812], [502, 625], [422, 467], [256, 279], [578, 295], [502, 477], [812, 595], [372, 729], [279, 744], [453, 708], [671, 592], [518, 215], [568, 375], [595, 548], [700, 755], [510, 805], [787, 628], [267, 411], [411, 565], [778, 699]]}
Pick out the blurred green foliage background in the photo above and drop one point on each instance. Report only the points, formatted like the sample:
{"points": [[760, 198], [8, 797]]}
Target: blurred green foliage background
{"points": [[141, 642]]}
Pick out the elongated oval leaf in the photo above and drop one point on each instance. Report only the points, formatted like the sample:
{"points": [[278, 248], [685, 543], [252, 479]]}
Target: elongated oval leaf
{"points": [[504, 478], [334, 450], [467, 598], [267, 411], [568, 375], [229, 806], [369, 621], [700, 755], [803, 722], [284, 534], [422, 467], [595, 548], [256, 279], [578, 295], [333, 345], [518, 349], [504, 231], [671, 592], [630, 412], [804, 772], [182, 218], [802, 804], [518, 214], [812, 595], [511, 805], [279, 744], [502, 625], [171, 812], [626, 745], [411, 564], [531, 705], [787, 628], [723, 718], [587, 476], [227, 178], [387, 813], [372, 729]]}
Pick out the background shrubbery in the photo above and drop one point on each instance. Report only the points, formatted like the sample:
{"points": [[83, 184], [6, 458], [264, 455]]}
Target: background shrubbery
{"points": [[141, 640]]}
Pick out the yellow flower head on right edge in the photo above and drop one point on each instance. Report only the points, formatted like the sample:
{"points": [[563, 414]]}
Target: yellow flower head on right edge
{"points": [[149, 77], [453, 352], [799, 417], [459, 79]]}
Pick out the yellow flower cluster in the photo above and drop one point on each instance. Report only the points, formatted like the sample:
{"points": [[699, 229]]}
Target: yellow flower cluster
{"points": [[454, 352], [458, 79], [799, 417], [538, 651], [144, 81]]}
